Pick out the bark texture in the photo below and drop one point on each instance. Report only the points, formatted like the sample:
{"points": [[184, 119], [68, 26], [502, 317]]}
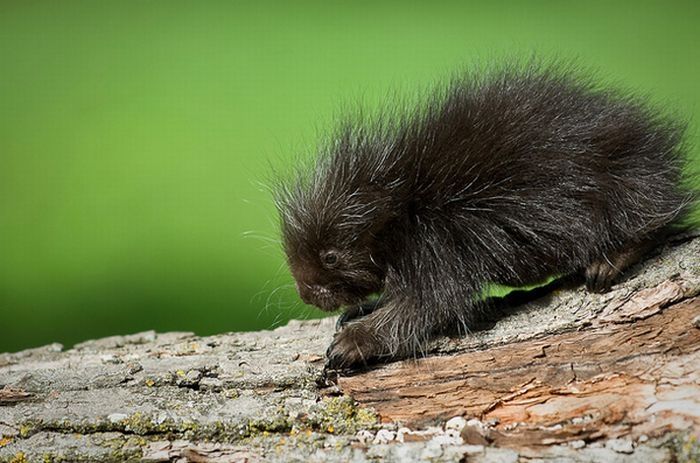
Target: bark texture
{"points": [[570, 376]]}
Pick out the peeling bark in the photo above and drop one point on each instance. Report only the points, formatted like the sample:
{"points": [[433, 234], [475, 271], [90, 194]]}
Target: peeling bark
{"points": [[609, 381], [570, 376]]}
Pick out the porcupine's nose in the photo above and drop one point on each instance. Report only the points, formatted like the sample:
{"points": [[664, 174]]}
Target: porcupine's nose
{"points": [[311, 294]]}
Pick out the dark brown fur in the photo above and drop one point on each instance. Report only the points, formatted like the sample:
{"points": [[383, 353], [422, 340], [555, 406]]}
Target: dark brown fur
{"points": [[509, 175]]}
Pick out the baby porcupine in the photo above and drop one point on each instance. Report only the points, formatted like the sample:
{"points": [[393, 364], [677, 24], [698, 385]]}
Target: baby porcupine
{"points": [[510, 176]]}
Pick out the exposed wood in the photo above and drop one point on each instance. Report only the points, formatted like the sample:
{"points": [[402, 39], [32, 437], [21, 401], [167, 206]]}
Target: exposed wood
{"points": [[614, 380], [10, 395]]}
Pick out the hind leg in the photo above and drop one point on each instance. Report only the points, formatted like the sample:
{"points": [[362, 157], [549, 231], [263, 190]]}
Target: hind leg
{"points": [[601, 273]]}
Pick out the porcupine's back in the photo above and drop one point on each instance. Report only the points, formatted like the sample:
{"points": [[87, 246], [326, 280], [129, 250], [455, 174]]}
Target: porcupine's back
{"points": [[532, 169]]}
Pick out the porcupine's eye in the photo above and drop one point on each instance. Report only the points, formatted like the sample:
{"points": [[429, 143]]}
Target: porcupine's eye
{"points": [[330, 259]]}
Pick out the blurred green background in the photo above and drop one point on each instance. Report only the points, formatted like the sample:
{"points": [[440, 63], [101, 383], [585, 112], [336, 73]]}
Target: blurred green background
{"points": [[136, 136]]}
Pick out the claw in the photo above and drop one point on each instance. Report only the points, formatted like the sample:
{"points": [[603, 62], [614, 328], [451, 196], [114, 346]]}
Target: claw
{"points": [[599, 277], [355, 312], [351, 347], [343, 320]]}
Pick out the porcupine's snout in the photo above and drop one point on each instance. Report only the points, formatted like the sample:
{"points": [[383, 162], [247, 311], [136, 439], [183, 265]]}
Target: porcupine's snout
{"points": [[318, 295]]}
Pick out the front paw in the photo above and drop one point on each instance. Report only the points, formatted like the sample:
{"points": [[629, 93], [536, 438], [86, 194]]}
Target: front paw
{"points": [[354, 346], [354, 313]]}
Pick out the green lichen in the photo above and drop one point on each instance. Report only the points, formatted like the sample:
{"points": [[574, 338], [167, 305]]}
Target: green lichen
{"points": [[337, 416], [138, 424], [27, 429], [231, 394], [119, 449], [19, 457], [342, 415], [130, 455], [142, 425], [686, 449], [53, 458], [276, 425]]}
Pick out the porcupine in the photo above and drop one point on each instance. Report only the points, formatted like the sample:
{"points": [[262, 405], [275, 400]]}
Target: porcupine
{"points": [[505, 175]]}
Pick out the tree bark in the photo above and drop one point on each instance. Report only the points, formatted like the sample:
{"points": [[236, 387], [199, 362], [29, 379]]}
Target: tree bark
{"points": [[570, 376]]}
